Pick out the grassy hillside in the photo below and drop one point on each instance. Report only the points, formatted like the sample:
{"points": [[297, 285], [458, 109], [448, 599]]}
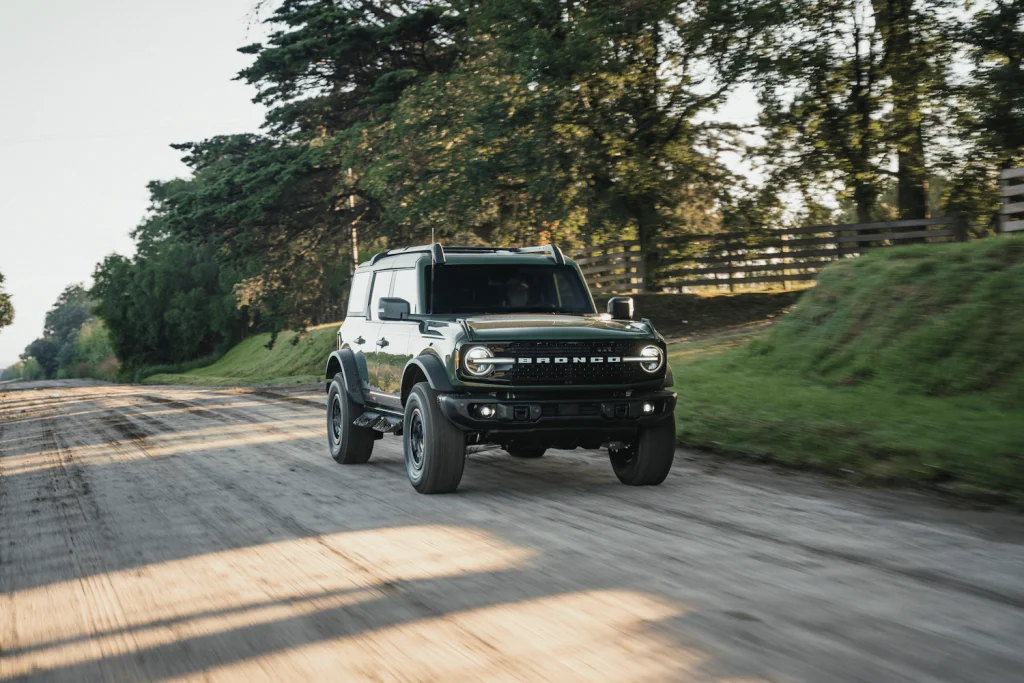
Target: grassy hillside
{"points": [[692, 315], [290, 361], [905, 365]]}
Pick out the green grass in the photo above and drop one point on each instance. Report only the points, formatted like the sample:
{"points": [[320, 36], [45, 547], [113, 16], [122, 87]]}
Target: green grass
{"points": [[903, 366], [251, 362]]}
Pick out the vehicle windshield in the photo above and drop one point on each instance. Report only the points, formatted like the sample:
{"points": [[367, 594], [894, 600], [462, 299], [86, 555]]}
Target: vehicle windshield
{"points": [[508, 288]]}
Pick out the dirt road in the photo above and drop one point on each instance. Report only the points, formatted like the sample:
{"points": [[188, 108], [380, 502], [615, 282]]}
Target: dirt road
{"points": [[164, 533]]}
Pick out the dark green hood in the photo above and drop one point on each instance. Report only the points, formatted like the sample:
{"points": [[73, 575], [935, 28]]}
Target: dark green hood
{"points": [[534, 326]]}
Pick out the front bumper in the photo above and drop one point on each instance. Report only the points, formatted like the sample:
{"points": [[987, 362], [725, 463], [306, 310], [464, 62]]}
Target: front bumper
{"points": [[557, 414]]}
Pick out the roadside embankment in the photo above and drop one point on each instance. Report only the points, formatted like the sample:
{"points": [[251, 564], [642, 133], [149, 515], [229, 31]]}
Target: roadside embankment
{"points": [[294, 359], [903, 366]]}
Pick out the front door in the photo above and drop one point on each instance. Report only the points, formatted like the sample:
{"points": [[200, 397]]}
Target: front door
{"points": [[396, 340], [375, 345]]}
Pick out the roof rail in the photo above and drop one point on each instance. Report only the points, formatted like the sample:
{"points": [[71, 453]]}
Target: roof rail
{"points": [[551, 249], [437, 252]]}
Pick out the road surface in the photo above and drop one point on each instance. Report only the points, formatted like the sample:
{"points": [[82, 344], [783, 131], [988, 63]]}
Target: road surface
{"points": [[184, 533]]}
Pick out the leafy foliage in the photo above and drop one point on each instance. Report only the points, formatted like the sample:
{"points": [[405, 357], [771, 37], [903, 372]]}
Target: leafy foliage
{"points": [[74, 342], [584, 122], [847, 86], [172, 302], [6, 306]]}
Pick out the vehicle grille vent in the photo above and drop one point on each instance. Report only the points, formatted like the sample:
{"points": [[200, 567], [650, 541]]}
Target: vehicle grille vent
{"points": [[574, 371]]}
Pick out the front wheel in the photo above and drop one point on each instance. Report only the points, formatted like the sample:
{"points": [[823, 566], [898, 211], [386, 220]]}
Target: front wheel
{"points": [[350, 445], [435, 449], [646, 461]]}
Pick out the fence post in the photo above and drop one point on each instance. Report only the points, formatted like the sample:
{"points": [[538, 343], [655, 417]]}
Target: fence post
{"points": [[1003, 200]]}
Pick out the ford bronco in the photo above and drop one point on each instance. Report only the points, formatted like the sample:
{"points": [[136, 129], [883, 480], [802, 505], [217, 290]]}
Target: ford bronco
{"points": [[453, 348]]}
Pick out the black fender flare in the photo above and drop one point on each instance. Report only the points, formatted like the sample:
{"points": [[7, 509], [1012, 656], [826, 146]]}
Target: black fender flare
{"points": [[344, 361], [432, 368], [670, 379]]}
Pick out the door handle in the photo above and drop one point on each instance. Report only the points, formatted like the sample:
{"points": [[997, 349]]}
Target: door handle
{"points": [[382, 342], [359, 340]]}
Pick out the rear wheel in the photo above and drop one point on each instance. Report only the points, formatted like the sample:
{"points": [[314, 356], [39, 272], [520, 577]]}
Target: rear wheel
{"points": [[350, 445], [518, 452], [648, 460], [435, 449]]}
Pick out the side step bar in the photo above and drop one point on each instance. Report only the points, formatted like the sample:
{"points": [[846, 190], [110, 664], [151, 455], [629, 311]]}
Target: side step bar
{"points": [[386, 424]]}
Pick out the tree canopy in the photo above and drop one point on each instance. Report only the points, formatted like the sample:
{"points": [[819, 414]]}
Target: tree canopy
{"points": [[576, 121]]}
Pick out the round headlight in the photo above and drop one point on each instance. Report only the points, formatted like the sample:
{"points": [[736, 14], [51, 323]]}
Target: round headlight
{"points": [[474, 366], [656, 358]]}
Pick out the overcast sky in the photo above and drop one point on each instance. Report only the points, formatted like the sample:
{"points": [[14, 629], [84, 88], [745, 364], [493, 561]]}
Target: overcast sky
{"points": [[92, 94]]}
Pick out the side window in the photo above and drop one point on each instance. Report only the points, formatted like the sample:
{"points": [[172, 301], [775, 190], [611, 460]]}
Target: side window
{"points": [[357, 295], [381, 289], [407, 287]]}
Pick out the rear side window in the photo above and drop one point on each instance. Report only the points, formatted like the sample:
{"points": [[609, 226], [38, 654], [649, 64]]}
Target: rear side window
{"points": [[407, 287], [381, 289], [357, 294]]}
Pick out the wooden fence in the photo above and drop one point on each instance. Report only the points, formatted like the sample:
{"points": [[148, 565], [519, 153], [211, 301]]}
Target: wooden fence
{"points": [[1011, 188], [618, 268], [750, 258]]}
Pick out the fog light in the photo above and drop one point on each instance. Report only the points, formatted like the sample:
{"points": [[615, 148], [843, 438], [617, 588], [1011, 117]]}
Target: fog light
{"points": [[486, 411], [648, 408]]}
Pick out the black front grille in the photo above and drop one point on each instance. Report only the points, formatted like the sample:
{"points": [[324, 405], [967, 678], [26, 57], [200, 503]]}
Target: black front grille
{"points": [[578, 363]]}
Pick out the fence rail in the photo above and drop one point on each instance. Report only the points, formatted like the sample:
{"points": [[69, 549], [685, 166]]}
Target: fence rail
{"points": [[617, 268], [1011, 188], [764, 256]]}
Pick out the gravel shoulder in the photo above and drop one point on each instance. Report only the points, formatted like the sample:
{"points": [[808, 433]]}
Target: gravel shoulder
{"points": [[153, 532]]}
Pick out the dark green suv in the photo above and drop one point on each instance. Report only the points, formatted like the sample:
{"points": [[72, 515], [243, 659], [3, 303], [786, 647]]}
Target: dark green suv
{"points": [[460, 347]]}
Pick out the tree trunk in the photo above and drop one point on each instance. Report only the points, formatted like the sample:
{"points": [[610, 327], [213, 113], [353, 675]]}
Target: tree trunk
{"points": [[906, 68], [648, 223], [865, 195]]}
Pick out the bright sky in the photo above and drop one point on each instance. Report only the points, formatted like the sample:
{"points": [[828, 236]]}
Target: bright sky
{"points": [[93, 93]]}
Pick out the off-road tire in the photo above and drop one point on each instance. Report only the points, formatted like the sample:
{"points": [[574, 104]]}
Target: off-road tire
{"points": [[526, 453], [350, 445], [648, 460], [435, 449]]}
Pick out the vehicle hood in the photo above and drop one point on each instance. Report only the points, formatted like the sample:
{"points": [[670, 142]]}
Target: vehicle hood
{"points": [[569, 327]]}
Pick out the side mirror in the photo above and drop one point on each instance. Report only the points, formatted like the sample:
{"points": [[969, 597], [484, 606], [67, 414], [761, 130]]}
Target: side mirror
{"points": [[392, 308], [621, 307]]}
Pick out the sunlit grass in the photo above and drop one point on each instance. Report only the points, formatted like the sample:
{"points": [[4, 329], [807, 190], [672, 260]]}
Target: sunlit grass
{"points": [[292, 360], [902, 366]]}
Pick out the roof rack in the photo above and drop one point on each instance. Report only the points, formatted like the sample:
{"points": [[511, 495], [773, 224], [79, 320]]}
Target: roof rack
{"points": [[437, 252]]}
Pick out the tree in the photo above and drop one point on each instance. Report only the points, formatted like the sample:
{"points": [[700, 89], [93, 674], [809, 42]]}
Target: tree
{"points": [[284, 211], [916, 57], [995, 91], [846, 86], [579, 122], [44, 351], [67, 315], [989, 113], [6, 306], [171, 303], [56, 348]]}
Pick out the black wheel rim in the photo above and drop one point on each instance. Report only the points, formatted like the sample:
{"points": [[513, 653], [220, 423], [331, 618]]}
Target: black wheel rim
{"points": [[336, 419], [623, 456], [416, 440]]}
